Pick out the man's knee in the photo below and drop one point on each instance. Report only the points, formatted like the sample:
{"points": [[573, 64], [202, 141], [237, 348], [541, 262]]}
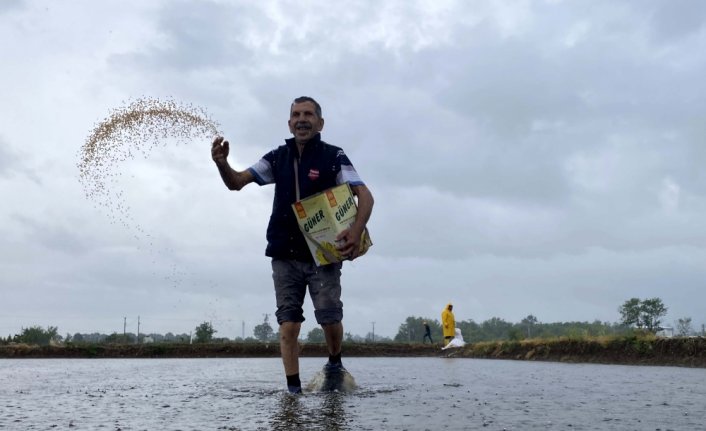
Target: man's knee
{"points": [[289, 331]]}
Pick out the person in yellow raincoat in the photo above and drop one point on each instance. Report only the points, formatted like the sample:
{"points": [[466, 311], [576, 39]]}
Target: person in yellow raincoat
{"points": [[448, 324]]}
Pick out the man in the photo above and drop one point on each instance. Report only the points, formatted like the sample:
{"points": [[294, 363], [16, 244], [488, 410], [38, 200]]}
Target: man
{"points": [[448, 323], [427, 333], [319, 166]]}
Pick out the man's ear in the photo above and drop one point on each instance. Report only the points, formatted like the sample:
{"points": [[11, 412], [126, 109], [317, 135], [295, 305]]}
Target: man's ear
{"points": [[321, 124]]}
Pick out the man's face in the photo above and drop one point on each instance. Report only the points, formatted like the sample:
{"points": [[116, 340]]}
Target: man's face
{"points": [[303, 122]]}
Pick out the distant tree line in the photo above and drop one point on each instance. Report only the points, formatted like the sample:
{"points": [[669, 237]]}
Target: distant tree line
{"points": [[636, 314], [641, 315], [496, 328], [35, 335]]}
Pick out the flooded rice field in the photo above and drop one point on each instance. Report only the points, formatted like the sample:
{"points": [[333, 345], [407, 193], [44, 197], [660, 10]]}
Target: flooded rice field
{"points": [[392, 394]]}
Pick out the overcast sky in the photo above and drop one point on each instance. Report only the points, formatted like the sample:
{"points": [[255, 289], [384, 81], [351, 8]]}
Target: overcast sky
{"points": [[526, 157]]}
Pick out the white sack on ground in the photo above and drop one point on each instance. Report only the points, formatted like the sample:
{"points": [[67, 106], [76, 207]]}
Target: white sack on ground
{"points": [[457, 341]]}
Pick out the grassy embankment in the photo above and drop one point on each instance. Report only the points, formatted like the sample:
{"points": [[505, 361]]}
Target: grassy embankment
{"points": [[629, 350]]}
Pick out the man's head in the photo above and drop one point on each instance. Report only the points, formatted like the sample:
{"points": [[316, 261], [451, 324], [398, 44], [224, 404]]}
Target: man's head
{"points": [[305, 119], [451, 307]]}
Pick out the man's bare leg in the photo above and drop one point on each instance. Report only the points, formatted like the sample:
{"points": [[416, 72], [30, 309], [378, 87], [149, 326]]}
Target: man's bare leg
{"points": [[333, 333], [333, 370], [289, 346]]}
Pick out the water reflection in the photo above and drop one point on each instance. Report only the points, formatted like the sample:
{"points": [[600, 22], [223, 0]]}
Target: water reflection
{"points": [[288, 415], [332, 411], [322, 411]]}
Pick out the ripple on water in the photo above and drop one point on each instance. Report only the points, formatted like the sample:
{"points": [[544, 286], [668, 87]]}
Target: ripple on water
{"points": [[392, 394]]}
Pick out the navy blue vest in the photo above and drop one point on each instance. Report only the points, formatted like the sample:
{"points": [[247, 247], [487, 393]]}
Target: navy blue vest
{"points": [[318, 168]]}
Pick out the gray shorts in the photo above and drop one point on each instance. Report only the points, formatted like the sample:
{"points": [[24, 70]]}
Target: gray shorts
{"points": [[291, 279]]}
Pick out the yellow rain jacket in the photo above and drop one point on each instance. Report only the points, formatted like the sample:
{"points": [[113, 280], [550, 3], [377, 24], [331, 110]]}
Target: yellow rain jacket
{"points": [[448, 324]]}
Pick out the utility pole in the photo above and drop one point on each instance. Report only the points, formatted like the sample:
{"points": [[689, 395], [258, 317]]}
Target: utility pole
{"points": [[138, 330], [243, 330], [124, 327], [373, 331]]}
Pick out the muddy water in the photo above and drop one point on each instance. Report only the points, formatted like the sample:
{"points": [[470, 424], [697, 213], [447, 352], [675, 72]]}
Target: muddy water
{"points": [[393, 394]]}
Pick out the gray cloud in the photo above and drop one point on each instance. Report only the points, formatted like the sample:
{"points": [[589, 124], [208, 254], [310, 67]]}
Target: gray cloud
{"points": [[8, 160], [11, 5], [676, 20], [56, 235]]}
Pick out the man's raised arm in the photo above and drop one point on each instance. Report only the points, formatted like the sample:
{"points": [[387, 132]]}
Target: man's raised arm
{"points": [[233, 179]]}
